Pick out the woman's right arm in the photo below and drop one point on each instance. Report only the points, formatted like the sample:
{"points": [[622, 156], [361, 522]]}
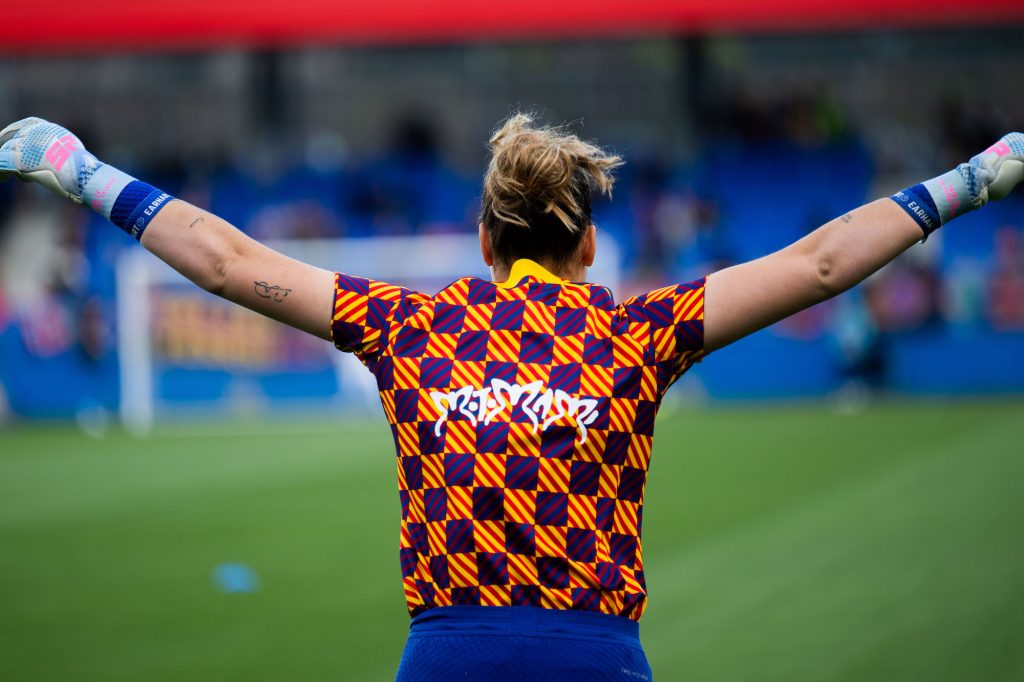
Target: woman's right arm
{"points": [[202, 247]]}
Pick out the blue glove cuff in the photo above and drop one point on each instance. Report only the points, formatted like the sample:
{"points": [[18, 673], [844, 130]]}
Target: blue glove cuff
{"points": [[920, 206], [935, 202], [126, 202], [136, 206]]}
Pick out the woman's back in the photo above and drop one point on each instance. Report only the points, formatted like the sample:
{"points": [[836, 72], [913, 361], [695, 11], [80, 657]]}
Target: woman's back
{"points": [[523, 417]]}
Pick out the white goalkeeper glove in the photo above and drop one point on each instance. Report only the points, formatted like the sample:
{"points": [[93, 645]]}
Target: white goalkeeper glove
{"points": [[39, 151], [988, 176]]}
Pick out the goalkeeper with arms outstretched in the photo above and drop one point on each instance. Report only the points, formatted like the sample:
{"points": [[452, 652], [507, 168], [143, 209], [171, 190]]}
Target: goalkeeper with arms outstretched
{"points": [[523, 407]]}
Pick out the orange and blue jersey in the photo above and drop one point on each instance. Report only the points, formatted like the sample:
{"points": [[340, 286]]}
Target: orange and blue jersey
{"points": [[523, 419]]}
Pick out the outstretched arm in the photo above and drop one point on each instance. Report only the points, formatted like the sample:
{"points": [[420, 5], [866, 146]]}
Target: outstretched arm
{"points": [[750, 296], [199, 245], [222, 260]]}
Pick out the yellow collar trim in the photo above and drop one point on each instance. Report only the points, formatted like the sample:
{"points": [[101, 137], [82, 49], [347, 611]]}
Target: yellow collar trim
{"points": [[524, 267]]}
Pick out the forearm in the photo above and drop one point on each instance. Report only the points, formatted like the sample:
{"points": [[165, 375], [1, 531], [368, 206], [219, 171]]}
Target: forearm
{"points": [[219, 258], [202, 255], [846, 250]]}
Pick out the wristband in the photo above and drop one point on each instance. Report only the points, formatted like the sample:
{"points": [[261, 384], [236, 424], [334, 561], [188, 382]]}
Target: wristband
{"points": [[920, 206], [126, 202], [935, 202]]}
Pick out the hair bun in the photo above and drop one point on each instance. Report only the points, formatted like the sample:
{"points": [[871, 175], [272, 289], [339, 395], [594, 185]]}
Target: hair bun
{"points": [[544, 171]]}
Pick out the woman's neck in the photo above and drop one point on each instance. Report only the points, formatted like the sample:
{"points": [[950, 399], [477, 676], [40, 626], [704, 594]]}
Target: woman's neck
{"points": [[501, 272]]}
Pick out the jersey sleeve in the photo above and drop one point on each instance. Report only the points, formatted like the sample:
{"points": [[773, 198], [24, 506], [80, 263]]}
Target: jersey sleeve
{"points": [[363, 311], [676, 317]]}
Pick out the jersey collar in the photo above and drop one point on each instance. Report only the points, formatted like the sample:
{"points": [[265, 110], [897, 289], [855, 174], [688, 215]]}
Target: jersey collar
{"points": [[524, 267]]}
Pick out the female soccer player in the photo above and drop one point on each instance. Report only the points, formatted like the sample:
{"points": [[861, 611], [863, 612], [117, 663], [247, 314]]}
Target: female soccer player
{"points": [[522, 408]]}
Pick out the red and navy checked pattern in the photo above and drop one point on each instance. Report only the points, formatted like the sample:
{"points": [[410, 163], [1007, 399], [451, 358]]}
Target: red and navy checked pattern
{"points": [[505, 510]]}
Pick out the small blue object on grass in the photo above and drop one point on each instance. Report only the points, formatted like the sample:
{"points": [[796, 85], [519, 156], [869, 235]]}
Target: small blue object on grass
{"points": [[235, 578]]}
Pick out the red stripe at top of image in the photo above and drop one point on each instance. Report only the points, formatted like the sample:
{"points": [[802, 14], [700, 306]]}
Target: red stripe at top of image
{"points": [[63, 26]]}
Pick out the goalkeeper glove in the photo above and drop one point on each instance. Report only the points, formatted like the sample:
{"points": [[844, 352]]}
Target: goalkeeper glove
{"points": [[986, 177], [39, 151]]}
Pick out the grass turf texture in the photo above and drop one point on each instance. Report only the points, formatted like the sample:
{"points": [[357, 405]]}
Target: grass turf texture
{"points": [[781, 544]]}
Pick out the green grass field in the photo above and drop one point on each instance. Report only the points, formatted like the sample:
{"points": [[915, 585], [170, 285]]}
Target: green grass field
{"points": [[781, 544]]}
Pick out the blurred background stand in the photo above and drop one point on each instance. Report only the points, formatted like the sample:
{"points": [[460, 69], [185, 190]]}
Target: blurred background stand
{"points": [[834, 498]]}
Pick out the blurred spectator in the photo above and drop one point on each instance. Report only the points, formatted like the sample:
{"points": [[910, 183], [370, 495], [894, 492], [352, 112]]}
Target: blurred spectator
{"points": [[1006, 282], [860, 353], [966, 294], [904, 296]]}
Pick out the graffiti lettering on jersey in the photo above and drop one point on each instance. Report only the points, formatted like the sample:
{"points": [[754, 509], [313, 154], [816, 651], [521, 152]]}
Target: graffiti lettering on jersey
{"points": [[542, 406]]}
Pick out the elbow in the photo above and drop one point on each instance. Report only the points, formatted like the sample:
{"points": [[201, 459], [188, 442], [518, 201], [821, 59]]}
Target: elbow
{"points": [[216, 275], [827, 280], [219, 281]]}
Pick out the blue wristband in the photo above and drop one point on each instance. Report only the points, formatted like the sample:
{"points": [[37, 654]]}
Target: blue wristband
{"points": [[918, 203], [126, 202], [136, 205], [935, 202]]}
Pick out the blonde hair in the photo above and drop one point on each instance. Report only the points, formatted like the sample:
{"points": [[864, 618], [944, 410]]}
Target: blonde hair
{"points": [[537, 190]]}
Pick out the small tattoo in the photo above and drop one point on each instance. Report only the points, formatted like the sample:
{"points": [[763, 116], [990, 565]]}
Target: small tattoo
{"points": [[846, 218], [196, 222], [271, 291]]}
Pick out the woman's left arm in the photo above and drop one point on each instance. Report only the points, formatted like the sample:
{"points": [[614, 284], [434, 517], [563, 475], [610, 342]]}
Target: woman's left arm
{"points": [[750, 296], [747, 297]]}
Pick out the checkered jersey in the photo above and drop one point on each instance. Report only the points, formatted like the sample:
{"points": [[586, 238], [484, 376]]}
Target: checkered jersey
{"points": [[523, 418]]}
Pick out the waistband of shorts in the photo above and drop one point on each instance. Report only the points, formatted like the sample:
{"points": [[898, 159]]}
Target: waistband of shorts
{"points": [[524, 621]]}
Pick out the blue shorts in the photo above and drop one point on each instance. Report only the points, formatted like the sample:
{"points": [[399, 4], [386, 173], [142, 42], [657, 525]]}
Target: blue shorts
{"points": [[520, 644]]}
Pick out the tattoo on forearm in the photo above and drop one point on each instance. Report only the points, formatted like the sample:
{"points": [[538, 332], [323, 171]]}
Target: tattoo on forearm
{"points": [[846, 218], [272, 291], [197, 221]]}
